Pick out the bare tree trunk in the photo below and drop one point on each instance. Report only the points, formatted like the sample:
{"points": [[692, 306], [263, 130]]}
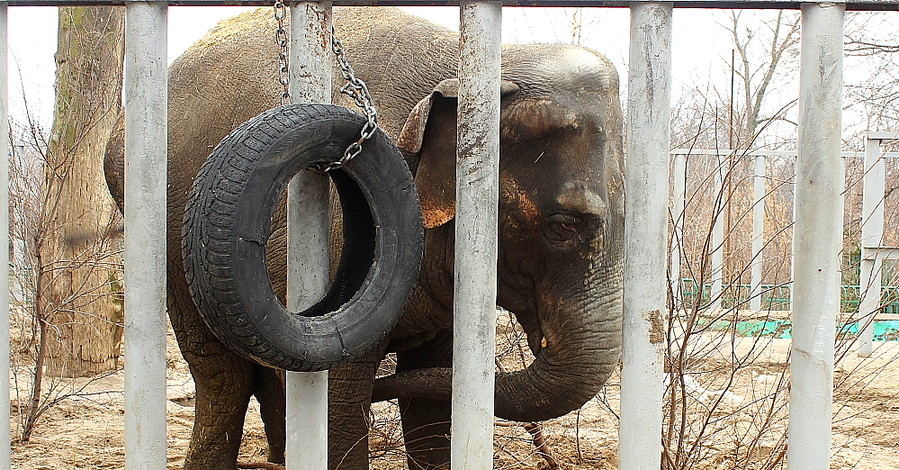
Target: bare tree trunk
{"points": [[80, 278], [756, 79]]}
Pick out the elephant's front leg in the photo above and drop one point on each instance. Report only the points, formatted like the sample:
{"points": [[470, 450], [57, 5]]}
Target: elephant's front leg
{"points": [[426, 422], [349, 402]]}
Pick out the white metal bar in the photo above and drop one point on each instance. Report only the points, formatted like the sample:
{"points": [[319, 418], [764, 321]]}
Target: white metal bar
{"points": [[817, 236], [883, 135], [762, 153], [677, 251], [838, 279], [881, 252], [477, 190], [870, 279], [4, 253], [307, 237], [718, 239], [646, 183], [146, 116], [793, 252], [758, 235], [873, 182]]}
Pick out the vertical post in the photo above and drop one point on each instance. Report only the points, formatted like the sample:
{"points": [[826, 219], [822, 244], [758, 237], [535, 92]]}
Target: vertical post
{"points": [[477, 189], [307, 237], [146, 125], [838, 279], [872, 234], [718, 238], [4, 252], [646, 183], [680, 190], [816, 239], [793, 252], [758, 234]]}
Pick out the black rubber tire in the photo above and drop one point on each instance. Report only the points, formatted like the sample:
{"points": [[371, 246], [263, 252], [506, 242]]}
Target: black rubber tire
{"points": [[227, 223]]}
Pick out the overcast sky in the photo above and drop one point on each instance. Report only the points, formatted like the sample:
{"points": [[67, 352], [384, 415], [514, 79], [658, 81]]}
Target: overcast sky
{"points": [[699, 45]]}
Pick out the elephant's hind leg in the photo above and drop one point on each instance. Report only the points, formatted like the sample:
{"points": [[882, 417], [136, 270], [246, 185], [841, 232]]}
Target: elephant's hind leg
{"points": [[426, 422], [224, 386], [270, 394]]}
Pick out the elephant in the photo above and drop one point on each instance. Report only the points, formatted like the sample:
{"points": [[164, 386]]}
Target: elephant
{"points": [[561, 222]]}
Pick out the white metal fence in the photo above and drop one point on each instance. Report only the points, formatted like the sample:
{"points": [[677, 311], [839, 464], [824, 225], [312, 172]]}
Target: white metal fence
{"points": [[873, 253], [649, 83], [872, 217]]}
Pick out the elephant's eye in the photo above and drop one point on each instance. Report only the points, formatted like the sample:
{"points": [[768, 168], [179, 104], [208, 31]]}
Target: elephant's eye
{"points": [[563, 226]]}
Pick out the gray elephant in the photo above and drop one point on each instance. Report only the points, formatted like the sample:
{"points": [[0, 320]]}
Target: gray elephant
{"points": [[561, 228]]}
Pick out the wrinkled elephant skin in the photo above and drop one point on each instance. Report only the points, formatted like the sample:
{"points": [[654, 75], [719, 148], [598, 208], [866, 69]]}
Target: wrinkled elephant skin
{"points": [[561, 227]]}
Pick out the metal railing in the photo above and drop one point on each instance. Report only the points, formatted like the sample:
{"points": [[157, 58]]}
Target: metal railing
{"points": [[872, 222], [777, 297], [649, 84]]}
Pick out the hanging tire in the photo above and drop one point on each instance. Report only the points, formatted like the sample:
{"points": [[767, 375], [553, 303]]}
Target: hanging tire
{"points": [[227, 223]]}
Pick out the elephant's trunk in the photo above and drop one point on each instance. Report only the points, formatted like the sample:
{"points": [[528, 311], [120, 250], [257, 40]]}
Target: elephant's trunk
{"points": [[580, 352], [582, 348]]}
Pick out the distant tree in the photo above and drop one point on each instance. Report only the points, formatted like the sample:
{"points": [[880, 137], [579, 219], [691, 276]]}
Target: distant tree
{"points": [[78, 274], [778, 39], [738, 109], [872, 80]]}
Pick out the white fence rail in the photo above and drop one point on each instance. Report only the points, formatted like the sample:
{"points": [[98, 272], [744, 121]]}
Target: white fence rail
{"points": [[477, 190], [645, 234], [307, 237], [872, 225], [817, 238], [146, 130], [873, 253]]}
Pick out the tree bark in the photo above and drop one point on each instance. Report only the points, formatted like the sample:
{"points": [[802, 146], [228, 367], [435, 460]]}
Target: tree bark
{"points": [[80, 272]]}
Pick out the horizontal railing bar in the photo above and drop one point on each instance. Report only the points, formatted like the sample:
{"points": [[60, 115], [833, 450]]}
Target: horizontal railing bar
{"points": [[883, 135], [862, 5], [762, 153], [881, 252]]}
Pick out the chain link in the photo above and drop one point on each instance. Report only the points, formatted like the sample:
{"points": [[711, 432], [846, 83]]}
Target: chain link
{"points": [[283, 60]]}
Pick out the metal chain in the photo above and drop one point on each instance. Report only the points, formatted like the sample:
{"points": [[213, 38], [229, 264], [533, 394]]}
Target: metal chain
{"points": [[358, 91], [283, 64], [354, 88]]}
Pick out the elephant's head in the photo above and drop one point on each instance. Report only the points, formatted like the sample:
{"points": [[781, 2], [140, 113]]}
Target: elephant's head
{"points": [[561, 220]]}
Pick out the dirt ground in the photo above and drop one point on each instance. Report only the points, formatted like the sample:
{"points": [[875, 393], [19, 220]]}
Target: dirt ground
{"points": [[86, 430]]}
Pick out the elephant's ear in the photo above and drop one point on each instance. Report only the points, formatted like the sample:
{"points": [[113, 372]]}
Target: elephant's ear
{"points": [[430, 133]]}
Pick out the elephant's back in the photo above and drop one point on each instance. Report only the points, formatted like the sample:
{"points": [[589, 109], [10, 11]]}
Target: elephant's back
{"points": [[224, 79], [400, 56], [231, 75]]}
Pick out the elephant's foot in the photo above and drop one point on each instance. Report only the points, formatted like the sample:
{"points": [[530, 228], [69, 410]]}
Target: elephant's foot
{"points": [[262, 465], [214, 447]]}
